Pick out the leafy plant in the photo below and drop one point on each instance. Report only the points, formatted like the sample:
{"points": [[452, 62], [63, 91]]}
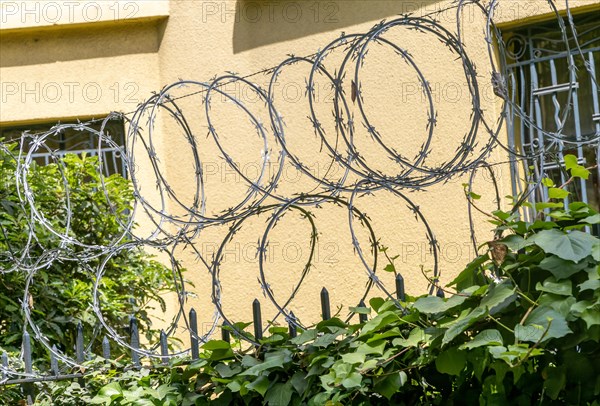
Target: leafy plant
{"points": [[523, 327], [60, 295]]}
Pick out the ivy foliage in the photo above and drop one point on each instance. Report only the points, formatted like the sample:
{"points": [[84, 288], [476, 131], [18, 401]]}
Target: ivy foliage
{"points": [[60, 295], [522, 327]]}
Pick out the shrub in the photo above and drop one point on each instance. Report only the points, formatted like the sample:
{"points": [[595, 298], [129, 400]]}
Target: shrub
{"points": [[61, 293], [523, 327]]}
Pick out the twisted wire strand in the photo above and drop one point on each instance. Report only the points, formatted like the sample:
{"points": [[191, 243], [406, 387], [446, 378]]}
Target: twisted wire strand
{"points": [[175, 223]]}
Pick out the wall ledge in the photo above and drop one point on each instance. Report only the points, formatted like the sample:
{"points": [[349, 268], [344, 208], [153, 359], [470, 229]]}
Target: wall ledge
{"points": [[23, 16]]}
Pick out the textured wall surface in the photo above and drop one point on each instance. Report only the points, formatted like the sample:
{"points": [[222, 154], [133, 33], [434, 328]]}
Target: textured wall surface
{"points": [[86, 67]]}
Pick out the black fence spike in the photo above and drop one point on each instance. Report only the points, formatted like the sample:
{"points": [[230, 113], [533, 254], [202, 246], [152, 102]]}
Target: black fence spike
{"points": [[164, 348], [79, 343], [400, 295], [105, 348], [362, 318], [4, 365], [292, 325], [194, 333], [28, 388], [135, 342], [54, 361], [325, 307], [440, 293], [257, 317], [27, 353], [225, 335]]}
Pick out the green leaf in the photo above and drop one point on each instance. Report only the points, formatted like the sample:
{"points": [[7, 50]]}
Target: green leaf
{"points": [[547, 182], [376, 303], [516, 242], [226, 372], [467, 277], [163, 390], [353, 380], [216, 345], [326, 340], [371, 348], [570, 161], [541, 319], [434, 304], [280, 394], [550, 285], [556, 193], [305, 337], [580, 307], [591, 317], [331, 325], [416, 336], [486, 337], [462, 323], [249, 361], [596, 251], [394, 332], [234, 386], [378, 321], [595, 219], [561, 268], [573, 246], [260, 385], [299, 382], [451, 361], [360, 310], [273, 362], [354, 358], [562, 304], [273, 339], [577, 170], [547, 205], [390, 385], [532, 333], [108, 393], [390, 268], [498, 296], [592, 284]]}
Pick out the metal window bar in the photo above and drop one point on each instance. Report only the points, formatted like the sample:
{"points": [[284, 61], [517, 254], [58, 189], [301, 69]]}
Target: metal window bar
{"points": [[526, 75], [111, 156]]}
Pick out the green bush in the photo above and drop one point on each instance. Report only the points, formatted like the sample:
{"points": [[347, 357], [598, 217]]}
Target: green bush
{"points": [[522, 328], [61, 293]]}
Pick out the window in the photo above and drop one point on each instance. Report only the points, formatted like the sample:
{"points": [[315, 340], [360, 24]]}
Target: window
{"points": [[73, 141], [562, 102]]}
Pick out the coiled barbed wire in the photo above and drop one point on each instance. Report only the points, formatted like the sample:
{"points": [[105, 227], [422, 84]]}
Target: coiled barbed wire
{"points": [[349, 173]]}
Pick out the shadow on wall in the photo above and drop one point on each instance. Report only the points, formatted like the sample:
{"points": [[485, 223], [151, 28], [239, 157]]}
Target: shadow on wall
{"points": [[101, 40], [259, 23]]}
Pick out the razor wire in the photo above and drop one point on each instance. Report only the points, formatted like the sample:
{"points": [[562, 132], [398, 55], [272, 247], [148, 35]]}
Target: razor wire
{"points": [[176, 223]]}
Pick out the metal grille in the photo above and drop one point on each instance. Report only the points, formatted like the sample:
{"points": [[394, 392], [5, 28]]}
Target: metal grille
{"points": [[560, 107], [72, 141]]}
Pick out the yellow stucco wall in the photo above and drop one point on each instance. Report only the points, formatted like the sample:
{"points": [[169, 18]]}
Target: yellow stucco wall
{"points": [[113, 63]]}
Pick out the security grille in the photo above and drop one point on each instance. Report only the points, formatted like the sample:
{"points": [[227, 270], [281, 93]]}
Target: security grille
{"points": [[72, 141], [559, 104]]}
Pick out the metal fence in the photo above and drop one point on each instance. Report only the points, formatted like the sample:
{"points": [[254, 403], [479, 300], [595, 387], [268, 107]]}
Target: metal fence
{"points": [[56, 373]]}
